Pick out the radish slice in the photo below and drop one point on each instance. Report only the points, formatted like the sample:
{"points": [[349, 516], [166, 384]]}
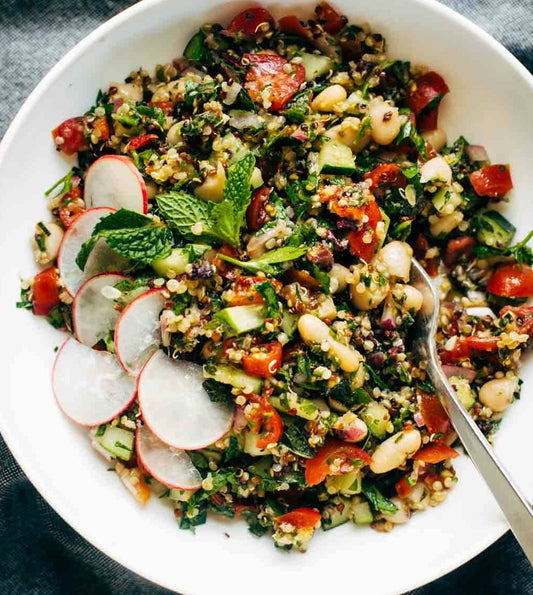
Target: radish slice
{"points": [[113, 181], [175, 406], [138, 330], [168, 465], [93, 313], [101, 260], [90, 386]]}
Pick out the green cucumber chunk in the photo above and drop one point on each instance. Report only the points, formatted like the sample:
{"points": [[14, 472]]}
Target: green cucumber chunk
{"points": [[493, 229], [377, 418], [233, 376], [118, 442], [316, 65], [242, 319], [361, 512], [336, 512], [302, 407], [336, 158]]}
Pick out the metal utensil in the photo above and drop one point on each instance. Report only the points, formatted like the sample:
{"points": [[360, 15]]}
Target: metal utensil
{"points": [[512, 502]]}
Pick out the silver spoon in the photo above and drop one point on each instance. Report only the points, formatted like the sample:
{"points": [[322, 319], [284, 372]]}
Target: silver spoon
{"points": [[515, 507]]}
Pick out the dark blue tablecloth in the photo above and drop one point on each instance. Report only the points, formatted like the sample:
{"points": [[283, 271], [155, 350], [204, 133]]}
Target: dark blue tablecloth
{"points": [[39, 553]]}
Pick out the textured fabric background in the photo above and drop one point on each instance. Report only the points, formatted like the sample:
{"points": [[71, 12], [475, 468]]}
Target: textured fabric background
{"points": [[39, 553]]}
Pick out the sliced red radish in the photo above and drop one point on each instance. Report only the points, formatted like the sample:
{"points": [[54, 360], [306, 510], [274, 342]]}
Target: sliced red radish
{"points": [[94, 311], [138, 330], [90, 386], [175, 406], [170, 466], [113, 181], [101, 260]]}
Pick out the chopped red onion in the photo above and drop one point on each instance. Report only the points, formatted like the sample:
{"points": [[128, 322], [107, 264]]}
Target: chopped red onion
{"points": [[467, 373], [477, 153]]}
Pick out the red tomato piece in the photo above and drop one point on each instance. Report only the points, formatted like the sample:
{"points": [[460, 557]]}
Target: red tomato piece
{"points": [[467, 347], [301, 518], [403, 489], [512, 280], [457, 248], [101, 129], [69, 213], [256, 216], [72, 135], [350, 457], [226, 269], [267, 72], [493, 181], [249, 21], [265, 421], [523, 315], [263, 360], [167, 107], [386, 175], [435, 453], [433, 413], [329, 18], [363, 242], [291, 25], [429, 87], [45, 291], [245, 293], [138, 142]]}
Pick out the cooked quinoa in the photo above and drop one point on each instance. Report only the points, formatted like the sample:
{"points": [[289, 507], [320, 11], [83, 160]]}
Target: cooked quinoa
{"points": [[290, 172]]}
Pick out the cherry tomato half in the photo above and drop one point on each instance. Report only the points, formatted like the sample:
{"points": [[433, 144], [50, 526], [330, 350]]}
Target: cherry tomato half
{"points": [[435, 453], [265, 421], [301, 518], [429, 89], [245, 293], [263, 360], [467, 347], [329, 18], [72, 133], [386, 175], [45, 291], [458, 248], [256, 216], [433, 413], [249, 21], [351, 457], [363, 242], [512, 280]]}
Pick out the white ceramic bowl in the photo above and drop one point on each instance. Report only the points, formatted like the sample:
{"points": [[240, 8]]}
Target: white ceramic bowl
{"points": [[490, 101]]}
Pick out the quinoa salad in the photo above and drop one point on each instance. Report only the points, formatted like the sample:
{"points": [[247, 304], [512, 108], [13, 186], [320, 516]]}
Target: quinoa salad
{"points": [[231, 256]]}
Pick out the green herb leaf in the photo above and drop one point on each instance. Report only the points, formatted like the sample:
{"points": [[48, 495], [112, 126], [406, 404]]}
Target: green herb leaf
{"points": [[182, 211], [218, 392], [521, 253], [295, 437], [343, 393], [264, 263], [266, 289], [378, 500]]}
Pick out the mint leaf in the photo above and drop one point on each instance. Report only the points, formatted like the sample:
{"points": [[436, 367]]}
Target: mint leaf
{"points": [[130, 234], [264, 263], [378, 500], [181, 211], [228, 216]]}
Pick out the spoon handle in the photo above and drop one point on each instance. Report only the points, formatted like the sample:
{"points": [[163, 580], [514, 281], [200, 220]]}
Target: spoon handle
{"points": [[512, 502]]}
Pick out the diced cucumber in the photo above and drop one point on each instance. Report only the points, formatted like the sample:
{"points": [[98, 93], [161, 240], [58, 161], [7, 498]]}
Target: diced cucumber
{"points": [[361, 512], [464, 391], [233, 376], [234, 146], [289, 323], [180, 495], [118, 442], [493, 229], [401, 231], [175, 263], [262, 467], [336, 512], [386, 222], [445, 197], [242, 319], [250, 445], [347, 484], [256, 179], [316, 65], [376, 417], [336, 158], [301, 407]]}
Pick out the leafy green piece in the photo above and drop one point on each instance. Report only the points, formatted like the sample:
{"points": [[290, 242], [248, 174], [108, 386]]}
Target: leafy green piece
{"points": [[408, 132], [182, 211], [322, 277], [295, 437], [377, 499], [56, 318], [266, 289], [298, 108], [520, 252], [197, 51], [228, 216], [233, 451], [218, 392], [65, 182], [192, 516], [343, 393], [199, 460], [130, 234], [152, 112], [375, 379], [264, 263], [254, 525]]}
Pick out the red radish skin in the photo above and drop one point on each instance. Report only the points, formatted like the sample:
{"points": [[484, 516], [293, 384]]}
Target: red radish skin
{"points": [[88, 335], [113, 181], [133, 359], [162, 461], [176, 408], [73, 374], [78, 233]]}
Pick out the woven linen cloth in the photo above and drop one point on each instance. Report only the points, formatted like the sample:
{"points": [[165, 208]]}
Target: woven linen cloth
{"points": [[39, 553]]}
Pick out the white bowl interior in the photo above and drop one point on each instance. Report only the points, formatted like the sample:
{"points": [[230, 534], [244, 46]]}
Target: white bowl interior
{"points": [[489, 103]]}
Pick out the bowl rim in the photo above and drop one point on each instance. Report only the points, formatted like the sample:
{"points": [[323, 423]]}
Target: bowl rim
{"points": [[30, 469]]}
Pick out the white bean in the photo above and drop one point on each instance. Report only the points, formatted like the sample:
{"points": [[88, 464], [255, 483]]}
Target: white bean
{"points": [[498, 394], [315, 332], [50, 242], [166, 92], [408, 297], [328, 98], [348, 132], [326, 308], [338, 275], [402, 515], [174, 134], [418, 499], [396, 256], [367, 297], [212, 188], [395, 450], [436, 170], [129, 92], [386, 122], [436, 138], [446, 224]]}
